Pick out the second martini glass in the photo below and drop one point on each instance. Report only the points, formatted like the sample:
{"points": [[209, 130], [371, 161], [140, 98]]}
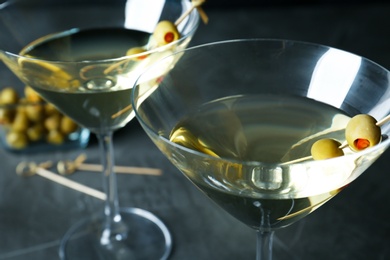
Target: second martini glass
{"points": [[239, 118], [83, 57]]}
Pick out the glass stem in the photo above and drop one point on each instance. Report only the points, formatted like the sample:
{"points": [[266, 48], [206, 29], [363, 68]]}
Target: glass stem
{"points": [[264, 245], [112, 223]]}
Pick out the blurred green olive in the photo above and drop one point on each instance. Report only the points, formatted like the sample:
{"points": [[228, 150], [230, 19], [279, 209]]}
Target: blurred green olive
{"points": [[9, 96], [6, 115], [35, 132], [16, 140], [135, 51], [55, 137], [28, 122], [21, 122], [50, 109], [52, 122], [31, 95], [35, 113], [165, 32], [67, 125]]}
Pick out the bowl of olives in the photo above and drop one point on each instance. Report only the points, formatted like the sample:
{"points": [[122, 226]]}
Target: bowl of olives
{"points": [[29, 124]]}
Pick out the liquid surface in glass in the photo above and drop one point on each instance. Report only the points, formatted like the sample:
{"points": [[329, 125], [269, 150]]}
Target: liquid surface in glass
{"points": [[96, 93], [264, 128]]}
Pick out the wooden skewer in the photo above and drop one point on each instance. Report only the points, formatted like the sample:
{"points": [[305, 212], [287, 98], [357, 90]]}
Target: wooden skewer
{"points": [[31, 168], [298, 160], [121, 169], [383, 120], [120, 112], [195, 4], [69, 167], [344, 145], [203, 14], [69, 183]]}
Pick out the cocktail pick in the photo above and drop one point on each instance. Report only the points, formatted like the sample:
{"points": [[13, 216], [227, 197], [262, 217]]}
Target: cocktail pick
{"points": [[195, 4], [344, 145], [26, 169], [66, 167], [383, 121]]}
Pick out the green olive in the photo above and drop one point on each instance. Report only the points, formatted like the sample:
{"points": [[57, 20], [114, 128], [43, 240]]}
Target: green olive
{"points": [[165, 32], [50, 109], [22, 103], [326, 149], [31, 95], [21, 122], [55, 137], [9, 96], [67, 125], [16, 140], [35, 132], [362, 132], [6, 115], [35, 112], [52, 122], [135, 51]]}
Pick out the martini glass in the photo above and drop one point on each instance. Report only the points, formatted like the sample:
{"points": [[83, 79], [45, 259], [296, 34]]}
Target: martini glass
{"points": [[238, 118], [76, 54]]}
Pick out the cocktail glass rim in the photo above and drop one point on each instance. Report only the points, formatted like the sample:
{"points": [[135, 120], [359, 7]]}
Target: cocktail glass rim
{"points": [[384, 143]]}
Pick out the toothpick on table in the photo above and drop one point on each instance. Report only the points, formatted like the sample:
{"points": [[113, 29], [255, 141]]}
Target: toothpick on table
{"points": [[31, 168], [68, 167]]}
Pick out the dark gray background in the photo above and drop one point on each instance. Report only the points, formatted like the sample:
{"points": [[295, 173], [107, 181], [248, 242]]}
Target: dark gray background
{"points": [[34, 212]]}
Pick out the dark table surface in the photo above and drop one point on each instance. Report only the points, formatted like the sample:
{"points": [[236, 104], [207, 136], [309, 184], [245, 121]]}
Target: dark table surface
{"points": [[35, 212]]}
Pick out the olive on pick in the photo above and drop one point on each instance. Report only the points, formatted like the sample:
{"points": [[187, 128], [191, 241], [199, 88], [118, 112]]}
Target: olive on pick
{"points": [[326, 149], [362, 132], [165, 32], [136, 50]]}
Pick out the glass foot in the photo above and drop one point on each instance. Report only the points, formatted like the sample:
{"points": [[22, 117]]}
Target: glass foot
{"points": [[147, 237]]}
